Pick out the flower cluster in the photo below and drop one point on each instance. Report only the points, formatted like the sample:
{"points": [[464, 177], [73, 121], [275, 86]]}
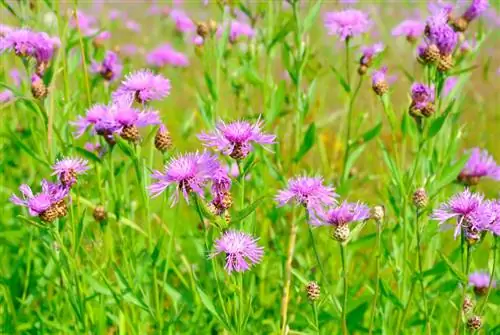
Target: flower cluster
{"points": [[241, 250]]}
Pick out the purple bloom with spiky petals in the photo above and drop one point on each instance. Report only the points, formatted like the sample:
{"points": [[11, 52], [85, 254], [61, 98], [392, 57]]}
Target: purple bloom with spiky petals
{"points": [[411, 29], [125, 116], [98, 117], [68, 169], [28, 43], [182, 21], [84, 22], [110, 68], [347, 23], [379, 76], [345, 213], [440, 34], [368, 52], [190, 172], [476, 8], [480, 282], [40, 202], [6, 96], [143, 86], [467, 208], [309, 192], [237, 29], [421, 95], [480, 164], [5, 29], [166, 55], [241, 251], [236, 139]]}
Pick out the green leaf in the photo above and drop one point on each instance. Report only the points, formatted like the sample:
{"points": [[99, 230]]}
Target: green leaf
{"points": [[210, 85], [13, 137], [449, 175], [467, 69], [438, 123], [276, 103], [209, 304], [387, 293], [353, 157], [307, 143], [341, 80], [282, 33], [240, 215], [457, 273], [311, 16], [370, 134], [125, 147], [87, 154]]}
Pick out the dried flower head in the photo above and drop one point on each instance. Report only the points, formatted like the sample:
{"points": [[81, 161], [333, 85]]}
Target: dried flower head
{"points": [[236, 139], [420, 198], [143, 86], [422, 99], [313, 291], [100, 213], [347, 23], [163, 141], [68, 169], [38, 88], [474, 323], [241, 251], [480, 165], [378, 213]]}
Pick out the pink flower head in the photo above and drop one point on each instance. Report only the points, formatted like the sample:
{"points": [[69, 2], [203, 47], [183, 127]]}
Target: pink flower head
{"points": [[6, 96], [346, 213], [190, 172], [143, 86], [182, 22], [379, 77], [347, 23], [411, 29], [309, 192], [166, 55], [40, 202], [467, 208], [480, 164], [110, 68], [480, 281], [237, 29], [27, 43], [440, 34], [87, 24], [241, 251], [421, 95], [125, 115], [68, 169], [370, 51], [476, 8], [99, 118], [102, 37], [236, 139], [133, 26]]}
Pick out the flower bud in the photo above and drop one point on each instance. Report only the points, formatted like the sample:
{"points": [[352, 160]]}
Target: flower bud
{"points": [[378, 213], [38, 88], [163, 141], [468, 305], [420, 198], [474, 323], [313, 291], [341, 233], [99, 213]]}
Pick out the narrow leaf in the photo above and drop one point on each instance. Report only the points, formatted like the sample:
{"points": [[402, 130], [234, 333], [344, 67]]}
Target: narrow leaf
{"points": [[307, 143]]}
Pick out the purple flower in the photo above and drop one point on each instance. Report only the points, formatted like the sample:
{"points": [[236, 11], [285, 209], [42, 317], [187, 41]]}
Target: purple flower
{"points": [[480, 281], [5, 29], [480, 164], [440, 34], [421, 95], [182, 22], [241, 251], [449, 85], [379, 77], [68, 169], [99, 118], [6, 96], [440, 6], [101, 38], [85, 23], [237, 29], [127, 119], [143, 86], [128, 50], [191, 172], [347, 23], [38, 203], [110, 68], [346, 213], [309, 192], [476, 8], [133, 26], [411, 29], [115, 14], [236, 139], [368, 52], [468, 210], [167, 55], [197, 40]]}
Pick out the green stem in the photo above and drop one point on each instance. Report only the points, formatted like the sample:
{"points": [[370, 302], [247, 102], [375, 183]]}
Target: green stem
{"points": [[288, 273], [347, 62], [377, 275], [407, 307], [421, 271], [315, 315], [344, 275], [492, 275], [467, 269]]}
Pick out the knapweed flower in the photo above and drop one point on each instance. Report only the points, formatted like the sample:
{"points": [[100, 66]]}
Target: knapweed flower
{"points": [[480, 164], [411, 29], [85, 23], [370, 51], [480, 281], [237, 29], [47, 205], [379, 81], [440, 34], [347, 23], [102, 37], [182, 22], [38, 87], [340, 217], [133, 26], [166, 55], [190, 172], [467, 209], [143, 86], [476, 8], [241, 251], [422, 100], [236, 139], [68, 169], [129, 119], [101, 121], [163, 141], [309, 192], [110, 68]]}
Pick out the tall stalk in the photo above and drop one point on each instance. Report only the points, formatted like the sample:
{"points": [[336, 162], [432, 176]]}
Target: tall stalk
{"points": [[421, 271], [344, 301], [288, 273], [377, 277]]}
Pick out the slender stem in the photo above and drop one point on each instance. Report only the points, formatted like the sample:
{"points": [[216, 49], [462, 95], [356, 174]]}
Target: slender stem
{"points": [[467, 269], [241, 300], [344, 275], [407, 307], [315, 315], [492, 275], [377, 275], [420, 270], [347, 62], [288, 273]]}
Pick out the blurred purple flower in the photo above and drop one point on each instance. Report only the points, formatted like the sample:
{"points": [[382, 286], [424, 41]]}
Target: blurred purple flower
{"points": [[197, 40], [143, 86], [236, 139], [110, 68], [84, 22], [166, 55], [346, 213], [421, 95], [182, 22], [379, 76], [480, 281], [370, 51], [38, 203], [190, 172], [15, 76], [449, 85], [440, 34], [440, 6], [101, 38], [99, 117], [347, 23], [476, 8], [116, 14], [241, 251], [128, 50], [6, 96], [237, 29], [5, 29], [133, 26], [68, 169], [480, 164], [411, 29]]}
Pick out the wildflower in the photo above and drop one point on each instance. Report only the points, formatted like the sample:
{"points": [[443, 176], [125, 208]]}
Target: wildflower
{"points": [[38, 88], [442, 36], [378, 213], [422, 100], [182, 22], [468, 210], [5, 29], [143, 86], [110, 68], [133, 26], [369, 52], [420, 198], [167, 55], [309, 192], [236, 139], [313, 291], [480, 281], [449, 85], [347, 23], [190, 172], [379, 82], [68, 169], [468, 305], [241, 251], [128, 50], [100, 119], [474, 323], [128, 120], [476, 8], [99, 40], [340, 217], [237, 29], [411, 29], [47, 205], [480, 164], [85, 23], [6, 96], [163, 141]]}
